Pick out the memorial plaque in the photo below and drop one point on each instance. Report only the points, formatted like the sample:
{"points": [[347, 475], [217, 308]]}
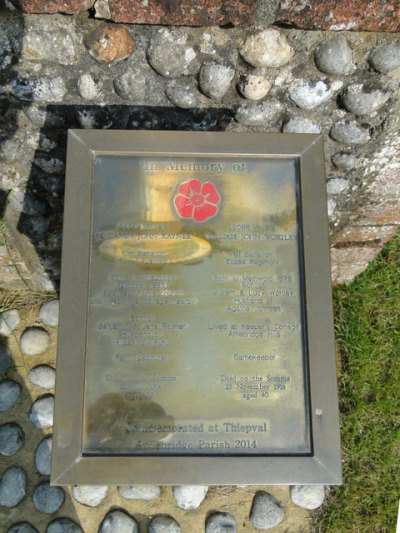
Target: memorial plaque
{"points": [[196, 340]]}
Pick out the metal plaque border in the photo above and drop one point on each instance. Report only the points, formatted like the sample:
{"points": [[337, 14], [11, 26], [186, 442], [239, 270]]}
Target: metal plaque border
{"points": [[69, 464]]}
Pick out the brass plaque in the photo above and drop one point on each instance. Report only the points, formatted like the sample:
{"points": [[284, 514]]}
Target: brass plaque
{"points": [[191, 257]]}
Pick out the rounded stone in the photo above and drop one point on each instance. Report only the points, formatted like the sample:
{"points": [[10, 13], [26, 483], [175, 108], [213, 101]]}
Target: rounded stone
{"points": [[215, 78], [344, 160], [9, 394], [334, 56], [5, 357], [41, 413], [312, 93], [118, 522], [336, 185], [22, 527], [49, 312], [169, 53], [63, 525], [48, 499], [12, 439], [164, 524], [109, 44], [263, 114], [9, 321], [301, 125], [131, 85], [43, 376], [140, 493], [364, 99], [12, 486], [266, 511], [308, 496], [89, 87], [221, 523], [43, 456], [268, 48], [49, 46], [90, 495], [254, 87], [34, 341], [43, 89], [182, 96], [189, 496], [385, 57], [350, 132]]}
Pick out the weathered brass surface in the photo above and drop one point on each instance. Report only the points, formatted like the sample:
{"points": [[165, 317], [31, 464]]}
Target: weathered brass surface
{"points": [[194, 357]]}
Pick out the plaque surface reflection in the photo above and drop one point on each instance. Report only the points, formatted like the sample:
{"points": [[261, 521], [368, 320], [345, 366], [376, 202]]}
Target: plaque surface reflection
{"points": [[195, 321]]}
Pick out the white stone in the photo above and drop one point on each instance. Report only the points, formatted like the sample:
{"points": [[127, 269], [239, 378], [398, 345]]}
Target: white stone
{"points": [[57, 45], [189, 496], [140, 493], [43, 376], [336, 185], [301, 125], [308, 496], [9, 321], [215, 78], [9, 394], [261, 114], [164, 524], [254, 87], [12, 486], [34, 341], [169, 54], [43, 456], [331, 207], [48, 499], [45, 89], [118, 522], [41, 413], [90, 495], [268, 48], [49, 312], [88, 87], [312, 93], [266, 511]]}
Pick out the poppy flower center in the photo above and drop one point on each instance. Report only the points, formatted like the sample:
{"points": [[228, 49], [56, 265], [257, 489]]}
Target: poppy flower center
{"points": [[197, 199]]}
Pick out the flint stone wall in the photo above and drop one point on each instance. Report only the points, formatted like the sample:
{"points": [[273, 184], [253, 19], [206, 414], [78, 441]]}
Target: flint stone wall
{"points": [[60, 72]]}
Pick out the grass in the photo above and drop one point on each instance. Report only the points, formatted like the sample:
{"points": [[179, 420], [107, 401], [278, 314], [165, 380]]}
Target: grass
{"points": [[367, 323]]}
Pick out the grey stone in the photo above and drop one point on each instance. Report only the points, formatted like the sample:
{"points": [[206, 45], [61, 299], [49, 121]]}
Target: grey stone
{"points": [[49, 312], [9, 321], [139, 493], [22, 527], [43, 376], [268, 48], [47, 89], [350, 132], [56, 45], [336, 185], [10, 149], [312, 93], [41, 413], [42, 117], [301, 125], [364, 99], [102, 9], [254, 87], [118, 522], [344, 161], [263, 114], [334, 56], [7, 52], [215, 78], [266, 511], [169, 53], [24, 202], [131, 85], [34, 341], [90, 495], [189, 496], [9, 394], [43, 456], [50, 165], [63, 525], [164, 524], [5, 357], [48, 499], [221, 523], [12, 439], [385, 57], [89, 87], [12, 486], [182, 96], [308, 496]]}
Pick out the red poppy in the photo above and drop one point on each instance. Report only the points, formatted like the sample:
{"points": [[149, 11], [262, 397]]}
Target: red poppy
{"points": [[197, 200]]}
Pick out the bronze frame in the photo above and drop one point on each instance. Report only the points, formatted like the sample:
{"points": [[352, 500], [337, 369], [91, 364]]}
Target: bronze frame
{"points": [[69, 464]]}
